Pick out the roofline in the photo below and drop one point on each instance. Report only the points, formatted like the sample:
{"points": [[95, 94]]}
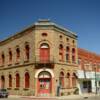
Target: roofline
{"points": [[87, 51], [18, 34]]}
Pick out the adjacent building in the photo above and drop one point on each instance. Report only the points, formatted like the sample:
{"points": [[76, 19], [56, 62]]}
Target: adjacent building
{"points": [[40, 60], [88, 72]]}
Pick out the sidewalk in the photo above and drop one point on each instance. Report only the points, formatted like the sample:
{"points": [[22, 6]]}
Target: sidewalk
{"points": [[60, 97], [78, 96]]}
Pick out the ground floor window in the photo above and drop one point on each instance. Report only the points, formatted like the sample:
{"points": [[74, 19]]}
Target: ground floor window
{"points": [[27, 80], [17, 80], [2, 82], [10, 81], [61, 79]]}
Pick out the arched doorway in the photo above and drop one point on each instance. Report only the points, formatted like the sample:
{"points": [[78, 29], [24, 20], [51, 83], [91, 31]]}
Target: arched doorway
{"points": [[44, 83]]}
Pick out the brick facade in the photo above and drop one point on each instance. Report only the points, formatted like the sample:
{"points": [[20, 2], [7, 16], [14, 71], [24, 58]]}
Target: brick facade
{"points": [[42, 37], [88, 72]]}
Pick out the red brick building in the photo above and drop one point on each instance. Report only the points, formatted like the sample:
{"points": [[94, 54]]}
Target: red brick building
{"points": [[89, 71]]}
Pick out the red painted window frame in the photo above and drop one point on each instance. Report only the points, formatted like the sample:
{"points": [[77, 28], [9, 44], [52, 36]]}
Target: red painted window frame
{"points": [[61, 79], [61, 52], [10, 81], [44, 53], [17, 80], [73, 55], [27, 52], [27, 80], [10, 56]]}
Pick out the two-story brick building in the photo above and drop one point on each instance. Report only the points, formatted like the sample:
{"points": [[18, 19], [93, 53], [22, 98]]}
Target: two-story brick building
{"points": [[38, 60], [88, 72]]}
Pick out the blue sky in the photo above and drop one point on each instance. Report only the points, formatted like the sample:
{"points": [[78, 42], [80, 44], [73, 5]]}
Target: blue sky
{"points": [[79, 16]]}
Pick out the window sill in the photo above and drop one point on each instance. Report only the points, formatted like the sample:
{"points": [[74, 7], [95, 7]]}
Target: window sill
{"points": [[16, 63], [26, 89], [9, 64], [26, 61], [68, 61], [9, 88], [61, 60], [1, 65], [16, 88]]}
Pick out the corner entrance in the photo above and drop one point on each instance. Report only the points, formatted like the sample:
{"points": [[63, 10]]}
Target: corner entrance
{"points": [[44, 83]]}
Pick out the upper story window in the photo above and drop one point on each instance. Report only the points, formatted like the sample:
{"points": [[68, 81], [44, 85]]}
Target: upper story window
{"points": [[10, 55], [73, 55], [17, 54], [44, 53], [3, 58], [67, 39], [61, 47], [67, 54], [27, 52], [60, 36], [44, 34], [61, 52], [73, 42]]}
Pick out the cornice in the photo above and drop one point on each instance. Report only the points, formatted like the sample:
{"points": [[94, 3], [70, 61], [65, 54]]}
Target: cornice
{"points": [[43, 23], [16, 35]]}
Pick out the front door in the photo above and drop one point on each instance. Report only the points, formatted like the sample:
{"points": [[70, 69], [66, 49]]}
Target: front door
{"points": [[89, 86], [44, 86]]}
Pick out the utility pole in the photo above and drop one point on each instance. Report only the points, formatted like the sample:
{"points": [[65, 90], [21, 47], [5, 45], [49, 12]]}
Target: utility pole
{"points": [[95, 82]]}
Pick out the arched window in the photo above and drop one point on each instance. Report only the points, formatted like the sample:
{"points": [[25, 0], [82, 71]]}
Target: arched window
{"points": [[74, 78], [73, 55], [44, 34], [27, 52], [61, 53], [73, 42], [67, 54], [10, 81], [60, 36], [44, 53], [17, 80], [27, 80], [10, 55], [68, 80], [3, 58], [2, 82], [67, 39], [17, 54], [61, 79]]}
